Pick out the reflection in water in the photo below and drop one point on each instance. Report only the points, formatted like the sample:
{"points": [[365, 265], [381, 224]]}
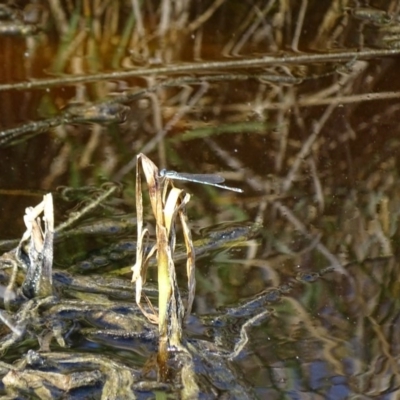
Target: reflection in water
{"points": [[304, 120], [338, 339]]}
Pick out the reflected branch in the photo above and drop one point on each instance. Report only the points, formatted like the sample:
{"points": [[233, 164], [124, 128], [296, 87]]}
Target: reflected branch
{"points": [[265, 61]]}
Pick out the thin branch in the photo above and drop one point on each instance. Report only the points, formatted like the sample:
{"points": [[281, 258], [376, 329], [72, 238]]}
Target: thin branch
{"points": [[265, 61]]}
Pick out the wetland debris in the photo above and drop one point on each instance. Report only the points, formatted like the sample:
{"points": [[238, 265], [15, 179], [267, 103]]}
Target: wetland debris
{"points": [[104, 113], [50, 375], [94, 309], [35, 251]]}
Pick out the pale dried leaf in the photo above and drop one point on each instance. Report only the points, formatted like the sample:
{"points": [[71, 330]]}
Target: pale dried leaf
{"points": [[191, 262]]}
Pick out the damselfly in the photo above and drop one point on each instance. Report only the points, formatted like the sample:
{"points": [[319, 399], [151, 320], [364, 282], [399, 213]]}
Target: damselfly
{"points": [[205, 179]]}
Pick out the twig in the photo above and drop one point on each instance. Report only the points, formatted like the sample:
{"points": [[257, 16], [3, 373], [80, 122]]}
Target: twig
{"points": [[299, 25], [205, 16], [207, 66], [151, 144], [288, 214], [86, 209], [306, 148]]}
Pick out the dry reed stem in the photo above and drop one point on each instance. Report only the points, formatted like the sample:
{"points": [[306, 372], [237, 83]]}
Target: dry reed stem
{"points": [[166, 206], [139, 269]]}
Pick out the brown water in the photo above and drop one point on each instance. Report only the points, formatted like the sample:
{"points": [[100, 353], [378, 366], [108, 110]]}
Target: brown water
{"points": [[311, 136]]}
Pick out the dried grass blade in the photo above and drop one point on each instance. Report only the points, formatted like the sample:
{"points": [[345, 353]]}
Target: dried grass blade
{"points": [[140, 268], [31, 213], [176, 205], [175, 306], [136, 269], [151, 173], [171, 208], [46, 276], [139, 277], [191, 259], [164, 257]]}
